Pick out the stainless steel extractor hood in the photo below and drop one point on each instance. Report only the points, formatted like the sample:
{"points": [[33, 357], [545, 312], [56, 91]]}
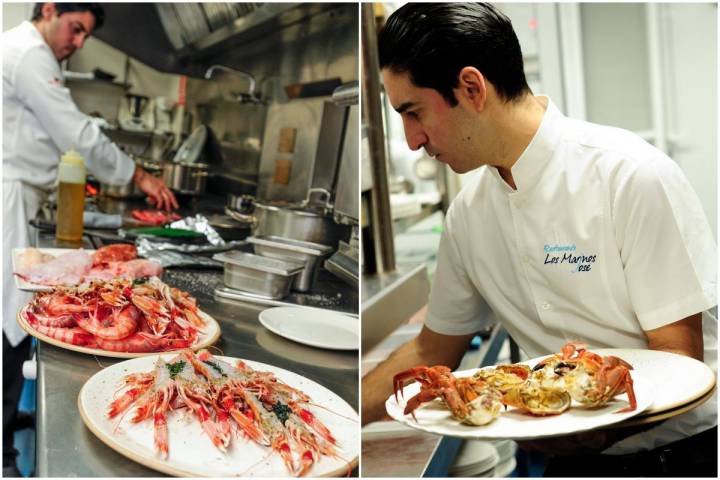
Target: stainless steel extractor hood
{"points": [[185, 38]]}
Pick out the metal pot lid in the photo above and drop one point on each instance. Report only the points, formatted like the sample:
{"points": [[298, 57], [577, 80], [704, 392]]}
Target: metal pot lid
{"points": [[258, 262], [290, 244], [191, 148]]}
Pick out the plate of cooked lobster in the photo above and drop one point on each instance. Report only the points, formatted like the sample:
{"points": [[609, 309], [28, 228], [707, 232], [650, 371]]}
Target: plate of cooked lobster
{"points": [[572, 391], [195, 414], [119, 318], [42, 269]]}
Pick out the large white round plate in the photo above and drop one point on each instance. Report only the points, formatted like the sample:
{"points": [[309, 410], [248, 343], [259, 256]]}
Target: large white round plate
{"points": [[313, 326], [675, 379], [434, 417], [35, 287], [207, 337], [190, 452]]}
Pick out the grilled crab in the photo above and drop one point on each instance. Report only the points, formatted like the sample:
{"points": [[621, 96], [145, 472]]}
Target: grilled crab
{"points": [[589, 378], [471, 401]]}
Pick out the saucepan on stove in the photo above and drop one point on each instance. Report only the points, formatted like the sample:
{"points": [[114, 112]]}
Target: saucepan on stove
{"points": [[187, 178], [288, 221], [130, 190]]}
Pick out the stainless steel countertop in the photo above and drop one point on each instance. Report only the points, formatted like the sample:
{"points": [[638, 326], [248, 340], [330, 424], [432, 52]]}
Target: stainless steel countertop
{"points": [[66, 448]]}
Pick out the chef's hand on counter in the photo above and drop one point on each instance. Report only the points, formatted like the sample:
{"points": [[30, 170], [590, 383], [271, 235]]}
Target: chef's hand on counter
{"points": [[159, 194]]}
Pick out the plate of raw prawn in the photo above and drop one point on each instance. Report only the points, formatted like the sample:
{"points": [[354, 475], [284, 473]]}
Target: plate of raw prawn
{"points": [[119, 318], [194, 414], [519, 402]]}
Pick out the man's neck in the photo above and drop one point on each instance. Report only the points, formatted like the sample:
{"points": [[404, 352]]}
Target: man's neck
{"points": [[517, 124]]}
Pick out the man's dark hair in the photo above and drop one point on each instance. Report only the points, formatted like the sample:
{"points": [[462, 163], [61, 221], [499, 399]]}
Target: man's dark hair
{"points": [[434, 41], [95, 8]]}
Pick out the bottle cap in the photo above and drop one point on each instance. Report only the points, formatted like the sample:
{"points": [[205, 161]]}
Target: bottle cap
{"points": [[72, 157]]}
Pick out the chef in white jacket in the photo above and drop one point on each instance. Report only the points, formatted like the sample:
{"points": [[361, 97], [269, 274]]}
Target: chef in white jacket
{"points": [[40, 123]]}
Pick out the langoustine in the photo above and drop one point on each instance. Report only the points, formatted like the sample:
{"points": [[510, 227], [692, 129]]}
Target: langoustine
{"points": [[227, 398]]}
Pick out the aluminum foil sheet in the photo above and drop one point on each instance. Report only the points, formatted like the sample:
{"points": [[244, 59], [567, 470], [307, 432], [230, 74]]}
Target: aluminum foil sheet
{"points": [[167, 256], [199, 223]]}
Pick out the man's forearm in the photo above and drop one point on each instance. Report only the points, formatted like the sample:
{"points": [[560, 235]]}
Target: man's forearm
{"points": [[377, 385], [428, 348]]}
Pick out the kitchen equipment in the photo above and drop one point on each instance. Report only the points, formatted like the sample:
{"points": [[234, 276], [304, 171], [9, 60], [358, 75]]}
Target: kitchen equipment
{"points": [[265, 277], [298, 224], [187, 178], [130, 190], [190, 150], [134, 114], [307, 253]]}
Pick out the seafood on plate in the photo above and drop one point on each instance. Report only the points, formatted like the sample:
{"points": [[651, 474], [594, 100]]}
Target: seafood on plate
{"points": [[470, 400], [119, 315], [229, 401], [547, 389], [589, 378], [76, 266]]}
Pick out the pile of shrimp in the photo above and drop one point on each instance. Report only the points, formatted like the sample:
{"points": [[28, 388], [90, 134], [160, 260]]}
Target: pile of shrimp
{"points": [[118, 315], [229, 401]]}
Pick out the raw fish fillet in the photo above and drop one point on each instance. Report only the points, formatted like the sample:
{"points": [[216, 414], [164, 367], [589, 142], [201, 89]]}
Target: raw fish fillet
{"points": [[31, 257], [66, 269], [131, 269], [118, 252]]}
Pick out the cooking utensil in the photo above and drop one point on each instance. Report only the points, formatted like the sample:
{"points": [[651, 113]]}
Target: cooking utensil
{"points": [[298, 224], [187, 178], [307, 253], [191, 148], [266, 277]]}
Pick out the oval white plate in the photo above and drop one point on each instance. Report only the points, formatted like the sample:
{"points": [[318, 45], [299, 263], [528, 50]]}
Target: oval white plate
{"points": [[676, 379], [436, 418], [313, 326], [209, 336], [190, 452]]}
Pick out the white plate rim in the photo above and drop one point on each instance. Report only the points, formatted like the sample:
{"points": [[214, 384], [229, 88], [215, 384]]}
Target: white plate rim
{"points": [[162, 466], [659, 408], [394, 409], [210, 336], [262, 316]]}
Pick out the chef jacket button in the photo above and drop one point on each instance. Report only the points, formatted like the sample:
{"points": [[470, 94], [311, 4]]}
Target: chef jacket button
{"points": [[546, 306]]}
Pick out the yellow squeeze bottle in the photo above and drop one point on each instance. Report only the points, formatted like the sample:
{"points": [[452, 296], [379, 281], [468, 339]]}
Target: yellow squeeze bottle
{"points": [[71, 197]]}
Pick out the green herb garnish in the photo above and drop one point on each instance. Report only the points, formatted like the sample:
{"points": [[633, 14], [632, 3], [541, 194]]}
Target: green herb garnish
{"points": [[139, 281], [282, 411], [215, 367], [175, 368]]}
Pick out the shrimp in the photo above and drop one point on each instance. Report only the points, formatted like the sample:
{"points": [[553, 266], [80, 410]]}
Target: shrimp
{"points": [[141, 343], [61, 321], [74, 335], [115, 326]]}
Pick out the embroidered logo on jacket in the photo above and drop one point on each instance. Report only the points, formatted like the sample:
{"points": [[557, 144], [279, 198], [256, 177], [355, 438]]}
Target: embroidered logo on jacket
{"points": [[568, 255]]}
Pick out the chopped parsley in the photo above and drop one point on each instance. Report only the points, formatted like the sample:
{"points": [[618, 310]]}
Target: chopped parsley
{"points": [[282, 411], [139, 281], [215, 367], [175, 368]]}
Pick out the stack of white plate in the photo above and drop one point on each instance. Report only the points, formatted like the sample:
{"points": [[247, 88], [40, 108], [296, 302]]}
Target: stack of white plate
{"points": [[475, 459], [506, 464]]}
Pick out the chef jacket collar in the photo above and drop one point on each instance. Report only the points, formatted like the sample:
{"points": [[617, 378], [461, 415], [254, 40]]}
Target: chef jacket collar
{"points": [[528, 168]]}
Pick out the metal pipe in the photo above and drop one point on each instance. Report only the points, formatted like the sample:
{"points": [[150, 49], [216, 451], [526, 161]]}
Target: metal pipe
{"points": [[211, 70], [380, 218]]}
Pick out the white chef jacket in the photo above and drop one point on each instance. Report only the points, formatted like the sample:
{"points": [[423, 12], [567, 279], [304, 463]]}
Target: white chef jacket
{"points": [[603, 238], [40, 123]]}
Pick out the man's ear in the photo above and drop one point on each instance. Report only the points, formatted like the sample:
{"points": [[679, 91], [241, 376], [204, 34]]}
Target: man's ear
{"points": [[471, 88], [48, 11]]}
